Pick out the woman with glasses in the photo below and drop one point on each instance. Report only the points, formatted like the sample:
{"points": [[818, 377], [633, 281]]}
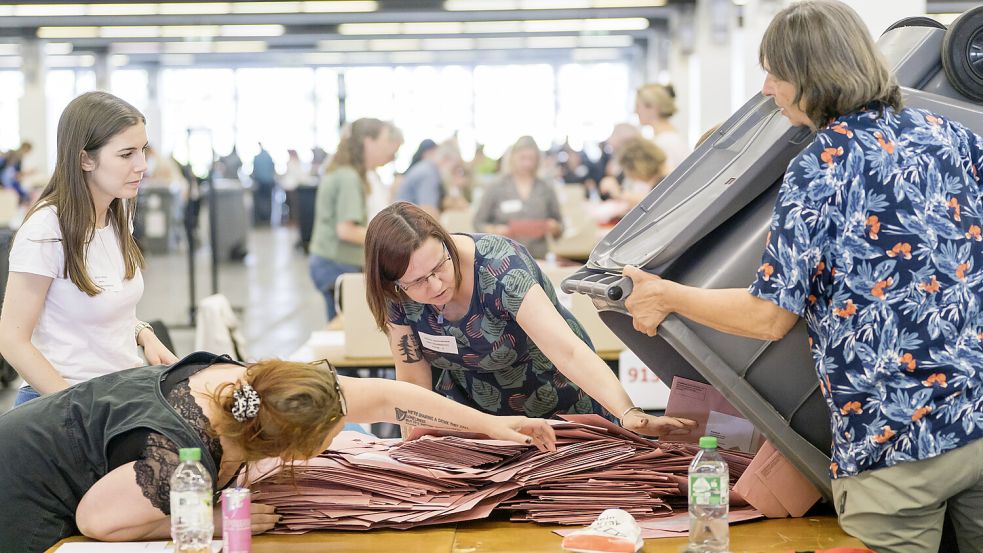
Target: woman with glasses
{"points": [[477, 308], [97, 458]]}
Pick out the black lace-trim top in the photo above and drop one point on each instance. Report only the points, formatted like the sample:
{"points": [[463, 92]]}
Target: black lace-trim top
{"points": [[159, 455]]}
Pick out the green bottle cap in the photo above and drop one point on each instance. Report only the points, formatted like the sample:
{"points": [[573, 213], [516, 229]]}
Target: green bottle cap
{"points": [[194, 454], [706, 442]]}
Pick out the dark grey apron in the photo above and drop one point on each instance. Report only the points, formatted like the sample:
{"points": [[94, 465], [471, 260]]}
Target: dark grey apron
{"points": [[54, 448]]}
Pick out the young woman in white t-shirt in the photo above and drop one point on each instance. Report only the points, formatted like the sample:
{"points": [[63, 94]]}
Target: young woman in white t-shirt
{"points": [[70, 307]]}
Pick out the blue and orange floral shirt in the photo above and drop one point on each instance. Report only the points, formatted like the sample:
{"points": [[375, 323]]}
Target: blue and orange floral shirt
{"points": [[876, 240]]}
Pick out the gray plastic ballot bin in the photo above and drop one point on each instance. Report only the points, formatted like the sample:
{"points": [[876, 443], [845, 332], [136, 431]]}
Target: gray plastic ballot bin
{"points": [[705, 225]]}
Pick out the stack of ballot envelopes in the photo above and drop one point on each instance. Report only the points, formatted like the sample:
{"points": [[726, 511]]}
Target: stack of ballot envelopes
{"points": [[439, 476]]}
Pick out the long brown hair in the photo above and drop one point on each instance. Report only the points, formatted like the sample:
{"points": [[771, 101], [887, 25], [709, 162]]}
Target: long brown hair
{"points": [[300, 404], [86, 125], [391, 238], [824, 49], [351, 147]]}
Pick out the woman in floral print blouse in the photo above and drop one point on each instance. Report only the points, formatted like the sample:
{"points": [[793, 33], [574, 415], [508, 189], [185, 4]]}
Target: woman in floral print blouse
{"points": [[477, 308], [876, 241]]}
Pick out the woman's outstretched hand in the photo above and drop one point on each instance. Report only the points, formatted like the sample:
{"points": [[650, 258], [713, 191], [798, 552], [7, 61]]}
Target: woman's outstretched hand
{"points": [[662, 427], [523, 430]]}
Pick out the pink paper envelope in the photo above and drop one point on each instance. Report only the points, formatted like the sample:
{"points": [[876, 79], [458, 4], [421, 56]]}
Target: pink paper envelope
{"points": [[528, 228], [694, 400], [421, 431], [775, 487], [601, 422]]}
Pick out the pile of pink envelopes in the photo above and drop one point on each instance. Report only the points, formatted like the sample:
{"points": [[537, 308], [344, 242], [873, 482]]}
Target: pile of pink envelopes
{"points": [[363, 483]]}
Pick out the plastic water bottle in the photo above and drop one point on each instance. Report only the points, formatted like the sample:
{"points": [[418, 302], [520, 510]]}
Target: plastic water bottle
{"points": [[192, 525], [709, 500]]}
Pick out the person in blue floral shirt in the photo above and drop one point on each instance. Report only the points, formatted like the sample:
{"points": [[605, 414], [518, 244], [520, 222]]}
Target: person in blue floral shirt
{"points": [[875, 240]]}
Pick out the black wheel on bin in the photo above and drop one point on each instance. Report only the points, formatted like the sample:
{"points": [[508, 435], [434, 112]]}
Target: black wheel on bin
{"points": [[917, 21], [962, 54]]}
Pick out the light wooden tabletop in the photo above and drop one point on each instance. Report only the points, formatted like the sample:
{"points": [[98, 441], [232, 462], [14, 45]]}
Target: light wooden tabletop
{"points": [[338, 359], [768, 536]]}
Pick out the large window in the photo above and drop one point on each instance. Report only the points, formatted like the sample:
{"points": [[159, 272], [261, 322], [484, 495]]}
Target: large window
{"points": [[199, 115], [276, 108], [11, 90], [587, 111], [131, 85], [206, 111], [61, 86], [434, 103], [328, 111], [370, 92], [511, 101]]}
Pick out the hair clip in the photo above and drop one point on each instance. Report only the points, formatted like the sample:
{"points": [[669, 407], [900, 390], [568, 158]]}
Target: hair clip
{"points": [[245, 403]]}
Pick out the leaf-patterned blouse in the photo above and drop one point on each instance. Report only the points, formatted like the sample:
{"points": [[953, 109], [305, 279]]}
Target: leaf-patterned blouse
{"points": [[876, 240], [498, 369]]}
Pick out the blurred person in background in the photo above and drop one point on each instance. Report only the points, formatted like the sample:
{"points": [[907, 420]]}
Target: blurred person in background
{"points": [[423, 151], [606, 174], [264, 185], [654, 105], [481, 164], [424, 183], [296, 174], [521, 205], [644, 166], [12, 170], [341, 208]]}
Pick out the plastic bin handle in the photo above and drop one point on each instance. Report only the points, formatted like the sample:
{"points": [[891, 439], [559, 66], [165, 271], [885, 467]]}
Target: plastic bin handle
{"points": [[607, 291], [620, 290]]}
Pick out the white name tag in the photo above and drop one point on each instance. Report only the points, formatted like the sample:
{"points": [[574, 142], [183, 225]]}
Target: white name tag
{"points": [[442, 344], [511, 206]]}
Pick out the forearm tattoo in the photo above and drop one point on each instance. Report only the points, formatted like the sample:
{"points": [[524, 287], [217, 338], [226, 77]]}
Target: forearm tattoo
{"points": [[416, 418], [410, 348]]}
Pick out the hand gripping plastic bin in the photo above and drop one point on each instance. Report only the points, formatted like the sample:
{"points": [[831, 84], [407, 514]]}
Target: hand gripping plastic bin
{"points": [[705, 225]]}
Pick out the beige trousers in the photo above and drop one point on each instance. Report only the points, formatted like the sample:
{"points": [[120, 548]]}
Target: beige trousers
{"points": [[900, 509]]}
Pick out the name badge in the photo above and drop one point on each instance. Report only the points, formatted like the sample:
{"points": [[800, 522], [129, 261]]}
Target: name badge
{"points": [[442, 344], [510, 206], [107, 283]]}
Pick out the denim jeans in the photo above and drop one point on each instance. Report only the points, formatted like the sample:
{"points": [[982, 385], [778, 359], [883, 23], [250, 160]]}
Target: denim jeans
{"points": [[324, 273], [25, 394]]}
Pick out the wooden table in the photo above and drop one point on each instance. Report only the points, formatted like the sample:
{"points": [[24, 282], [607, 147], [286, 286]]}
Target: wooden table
{"points": [[337, 358], [769, 536]]}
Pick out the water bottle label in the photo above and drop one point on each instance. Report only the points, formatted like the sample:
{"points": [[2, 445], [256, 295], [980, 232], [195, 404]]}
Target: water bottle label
{"points": [[191, 508], [706, 489]]}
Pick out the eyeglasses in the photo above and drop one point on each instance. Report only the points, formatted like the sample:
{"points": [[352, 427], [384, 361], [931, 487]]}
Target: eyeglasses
{"points": [[419, 283], [337, 385]]}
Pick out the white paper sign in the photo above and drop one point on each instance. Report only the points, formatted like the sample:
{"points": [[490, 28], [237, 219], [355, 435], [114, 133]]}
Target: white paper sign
{"points": [[442, 344], [731, 432], [126, 547], [643, 386]]}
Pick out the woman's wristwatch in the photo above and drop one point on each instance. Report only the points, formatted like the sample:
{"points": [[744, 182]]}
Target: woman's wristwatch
{"points": [[139, 328]]}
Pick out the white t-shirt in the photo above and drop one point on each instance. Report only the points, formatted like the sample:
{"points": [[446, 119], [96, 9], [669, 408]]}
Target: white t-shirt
{"points": [[83, 337], [674, 146]]}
